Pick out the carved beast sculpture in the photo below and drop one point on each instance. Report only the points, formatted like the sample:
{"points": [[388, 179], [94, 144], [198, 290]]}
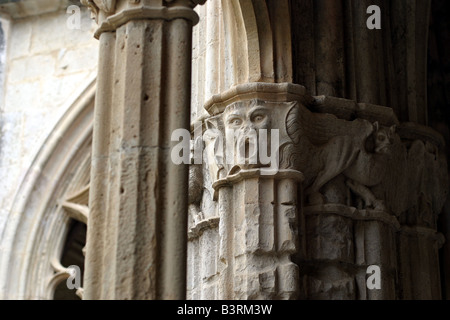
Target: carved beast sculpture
{"points": [[377, 166], [355, 157], [362, 169]]}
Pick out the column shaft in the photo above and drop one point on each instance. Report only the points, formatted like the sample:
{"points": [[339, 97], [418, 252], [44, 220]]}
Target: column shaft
{"points": [[137, 230]]}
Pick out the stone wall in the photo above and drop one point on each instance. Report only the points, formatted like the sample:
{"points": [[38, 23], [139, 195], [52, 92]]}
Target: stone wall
{"points": [[47, 66], [309, 231], [355, 186], [4, 32]]}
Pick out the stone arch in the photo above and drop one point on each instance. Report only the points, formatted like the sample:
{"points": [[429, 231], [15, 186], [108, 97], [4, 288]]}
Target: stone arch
{"points": [[34, 235], [259, 37]]}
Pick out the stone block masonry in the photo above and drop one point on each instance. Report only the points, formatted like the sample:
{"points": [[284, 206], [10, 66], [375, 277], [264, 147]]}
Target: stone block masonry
{"points": [[46, 65]]}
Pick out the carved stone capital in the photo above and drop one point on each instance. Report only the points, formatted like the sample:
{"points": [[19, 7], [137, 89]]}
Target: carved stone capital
{"points": [[373, 162], [249, 134], [111, 14], [249, 128]]}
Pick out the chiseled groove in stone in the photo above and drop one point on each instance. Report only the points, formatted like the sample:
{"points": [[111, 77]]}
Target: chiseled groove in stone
{"points": [[282, 44], [265, 41], [149, 132], [144, 242], [98, 198], [261, 269], [268, 215], [227, 237], [115, 245], [416, 268], [287, 216], [137, 267]]}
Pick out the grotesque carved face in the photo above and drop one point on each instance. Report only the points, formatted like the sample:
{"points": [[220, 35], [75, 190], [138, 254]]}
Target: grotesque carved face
{"points": [[383, 138], [243, 122], [249, 134], [246, 118]]}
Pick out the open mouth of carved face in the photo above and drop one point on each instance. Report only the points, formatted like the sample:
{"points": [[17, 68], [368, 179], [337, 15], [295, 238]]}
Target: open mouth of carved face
{"points": [[246, 154], [247, 146]]}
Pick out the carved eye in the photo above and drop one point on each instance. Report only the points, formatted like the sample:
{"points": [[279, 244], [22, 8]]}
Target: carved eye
{"points": [[258, 118], [381, 138], [235, 122]]}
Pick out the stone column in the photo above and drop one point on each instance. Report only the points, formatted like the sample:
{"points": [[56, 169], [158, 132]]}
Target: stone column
{"points": [[420, 277], [372, 185], [136, 243], [342, 243], [259, 204], [340, 218], [261, 233], [373, 193]]}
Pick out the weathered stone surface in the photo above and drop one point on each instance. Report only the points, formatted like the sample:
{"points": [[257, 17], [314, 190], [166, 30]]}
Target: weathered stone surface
{"points": [[358, 177], [330, 283], [139, 201], [324, 243], [355, 188], [27, 8], [36, 92]]}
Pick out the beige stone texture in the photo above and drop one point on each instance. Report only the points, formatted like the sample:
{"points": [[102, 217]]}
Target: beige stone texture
{"points": [[356, 179], [43, 77]]}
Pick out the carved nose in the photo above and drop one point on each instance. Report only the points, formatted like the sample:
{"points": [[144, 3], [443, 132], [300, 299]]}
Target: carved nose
{"points": [[249, 127], [246, 129], [248, 150]]}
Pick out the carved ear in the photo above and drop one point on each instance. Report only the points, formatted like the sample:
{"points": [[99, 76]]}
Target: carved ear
{"points": [[392, 129], [376, 126]]}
